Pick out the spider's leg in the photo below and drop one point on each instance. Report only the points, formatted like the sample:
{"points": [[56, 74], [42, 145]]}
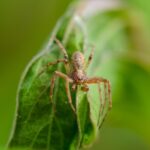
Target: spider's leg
{"points": [[107, 88], [62, 48], [89, 58], [106, 97], [52, 86], [64, 51], [104, 114], [68, 80], [101, 103], [101, 99], [69, 96], [51, 64], [107, 93], [101, 80]]}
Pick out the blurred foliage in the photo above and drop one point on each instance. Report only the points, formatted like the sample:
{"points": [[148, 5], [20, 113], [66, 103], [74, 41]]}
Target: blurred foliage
{"points": [[125, 61]]}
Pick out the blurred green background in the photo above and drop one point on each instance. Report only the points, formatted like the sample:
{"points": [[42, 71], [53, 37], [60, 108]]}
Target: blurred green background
{"points": [[25, 26]]}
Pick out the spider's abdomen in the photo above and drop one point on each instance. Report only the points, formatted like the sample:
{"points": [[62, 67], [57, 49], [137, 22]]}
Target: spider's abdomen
{"points": [[78, 76]]}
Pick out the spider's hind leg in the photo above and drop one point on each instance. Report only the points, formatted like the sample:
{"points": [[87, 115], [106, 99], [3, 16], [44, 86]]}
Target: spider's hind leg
{"points": [[105, 97], [101, 99], [107, 88]]}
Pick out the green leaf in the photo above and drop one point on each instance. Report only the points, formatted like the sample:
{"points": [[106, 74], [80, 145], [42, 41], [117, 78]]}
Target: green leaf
{"points": [[42, 125]]}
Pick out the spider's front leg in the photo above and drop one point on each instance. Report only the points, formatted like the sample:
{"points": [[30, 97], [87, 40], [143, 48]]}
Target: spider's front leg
{"points": [[65, 60], [64, 51], [68, 80], [89, 58]]}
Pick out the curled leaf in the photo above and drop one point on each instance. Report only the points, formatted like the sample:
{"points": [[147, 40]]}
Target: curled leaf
{"points": [[43, 125]]}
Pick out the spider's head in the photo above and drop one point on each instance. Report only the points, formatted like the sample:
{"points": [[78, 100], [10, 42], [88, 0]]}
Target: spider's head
{"points": [[78, 60]]}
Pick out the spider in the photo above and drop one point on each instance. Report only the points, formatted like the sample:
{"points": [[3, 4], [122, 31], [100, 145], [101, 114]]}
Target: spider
{"points": [[77, 75]]}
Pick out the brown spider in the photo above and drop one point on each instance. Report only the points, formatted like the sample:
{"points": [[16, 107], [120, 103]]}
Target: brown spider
{"points": [[77, 76]]}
